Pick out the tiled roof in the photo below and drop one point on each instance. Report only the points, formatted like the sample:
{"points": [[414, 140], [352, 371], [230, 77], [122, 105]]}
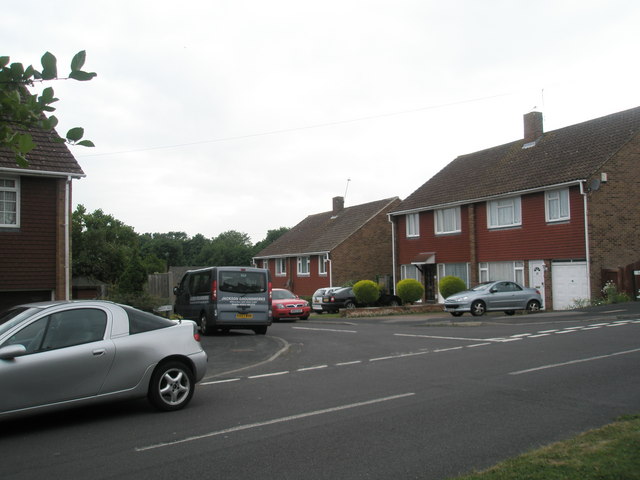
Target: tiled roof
{"points": [[559, 156], [48, 156], [323, 232]]}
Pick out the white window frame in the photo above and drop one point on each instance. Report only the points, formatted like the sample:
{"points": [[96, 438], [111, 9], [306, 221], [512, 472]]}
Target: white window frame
{"points": [[504, 213], [413, 225], [410, 271], [557, 205], [303, 266], [8, 189], [516, 271], [322, 265], [281, 267], [447, 217]]}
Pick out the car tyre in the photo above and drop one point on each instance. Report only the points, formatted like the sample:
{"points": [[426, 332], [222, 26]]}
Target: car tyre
{"points": [[456, 314], [204, 329], [260, 330], [478, 308], [533, 306], [172, 385], [510, 312], [349, 304], [306, 317]]}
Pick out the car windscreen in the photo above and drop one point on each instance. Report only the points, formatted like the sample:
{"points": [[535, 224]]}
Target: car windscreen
{"points": [[282, 294], [13, 316], [238, 281], [140, 321]]}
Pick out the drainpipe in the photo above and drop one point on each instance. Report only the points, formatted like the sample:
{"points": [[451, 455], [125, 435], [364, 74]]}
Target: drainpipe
{"points": [[330, 270], [586, 235], [67, 239], [393, 253]]}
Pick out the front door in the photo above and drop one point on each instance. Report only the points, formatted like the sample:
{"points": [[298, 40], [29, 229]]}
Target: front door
{"points": [[430, 282], [536, 277]]}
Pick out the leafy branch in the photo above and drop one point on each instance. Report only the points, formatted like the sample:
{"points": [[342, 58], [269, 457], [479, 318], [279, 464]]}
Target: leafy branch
{"points": [[21, 110]]}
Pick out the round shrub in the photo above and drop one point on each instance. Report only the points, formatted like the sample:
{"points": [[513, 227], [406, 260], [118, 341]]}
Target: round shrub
{"points": [[409, 290], [449, 285], [366, 291]]}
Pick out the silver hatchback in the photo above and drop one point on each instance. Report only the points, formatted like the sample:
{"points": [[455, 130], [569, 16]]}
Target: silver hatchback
{"points": [[59, 354], [494, 296]]}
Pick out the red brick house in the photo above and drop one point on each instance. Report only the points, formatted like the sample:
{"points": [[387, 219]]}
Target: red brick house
{"points": [[332, 248], [556, 210], [35, 222]]}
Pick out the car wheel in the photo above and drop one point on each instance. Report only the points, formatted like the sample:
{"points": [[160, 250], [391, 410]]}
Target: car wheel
{"points": [[394, 303], [171, 386], [478, 308], [456, 314], [306, 317], [349, 304], [510, 312], [204, 329], [533, 306], [260, 330]]}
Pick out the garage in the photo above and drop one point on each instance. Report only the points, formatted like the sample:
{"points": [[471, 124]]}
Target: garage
{"points": [[570, 282]]}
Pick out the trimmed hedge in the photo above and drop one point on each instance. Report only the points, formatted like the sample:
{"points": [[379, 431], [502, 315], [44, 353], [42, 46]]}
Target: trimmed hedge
{"points": [[409, 290], [450, 285], [366, 291]]}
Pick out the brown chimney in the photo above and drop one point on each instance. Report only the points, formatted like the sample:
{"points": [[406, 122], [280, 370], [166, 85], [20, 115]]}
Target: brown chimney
{"points": [[532, 126], [338, 204]]}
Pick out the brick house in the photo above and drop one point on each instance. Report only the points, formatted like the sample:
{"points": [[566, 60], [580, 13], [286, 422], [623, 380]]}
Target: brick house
{"points": [[557, 210], [35, 222], [332, 248]]}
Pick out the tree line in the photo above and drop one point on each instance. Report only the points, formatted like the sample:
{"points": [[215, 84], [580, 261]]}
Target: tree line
{"points": [[106, 249]]}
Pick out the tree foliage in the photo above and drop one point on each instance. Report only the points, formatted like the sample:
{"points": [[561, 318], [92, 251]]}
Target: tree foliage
{"points": [[449, 285], [409, 290], [20, 110], [108, 250], [366, 291]]}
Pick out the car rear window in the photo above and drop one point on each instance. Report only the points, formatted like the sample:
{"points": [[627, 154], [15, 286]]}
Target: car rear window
{"points": [[140, 321], [242, 282]]}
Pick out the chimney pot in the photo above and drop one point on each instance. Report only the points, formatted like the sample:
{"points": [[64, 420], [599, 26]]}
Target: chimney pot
{"points": [[338, 204], [533, 128]]}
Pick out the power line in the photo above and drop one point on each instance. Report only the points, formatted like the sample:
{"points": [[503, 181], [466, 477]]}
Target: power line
{"points": [[306, 127]]}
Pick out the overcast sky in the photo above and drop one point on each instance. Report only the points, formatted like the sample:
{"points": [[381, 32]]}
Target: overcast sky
{"points": [[249, 115]]}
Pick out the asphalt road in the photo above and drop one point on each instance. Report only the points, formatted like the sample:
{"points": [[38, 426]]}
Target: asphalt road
{"points": [[415, 397]]}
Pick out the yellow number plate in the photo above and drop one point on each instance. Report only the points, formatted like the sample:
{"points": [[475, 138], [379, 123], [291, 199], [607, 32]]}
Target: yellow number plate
{"points": [[244, 315]]}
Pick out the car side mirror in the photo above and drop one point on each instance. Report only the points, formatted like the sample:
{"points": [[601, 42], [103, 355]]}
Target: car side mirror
{"points": [[12, 351], [493, 290]]}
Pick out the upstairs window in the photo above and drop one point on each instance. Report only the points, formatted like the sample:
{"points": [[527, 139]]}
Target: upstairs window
{"points": [[9, 205], [505, 212], [557, 205], [447, 220], [303, 266], [413, 225]]}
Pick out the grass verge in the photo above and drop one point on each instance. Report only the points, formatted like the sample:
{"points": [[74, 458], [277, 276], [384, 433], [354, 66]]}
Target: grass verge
{"points": [[608, 453]]}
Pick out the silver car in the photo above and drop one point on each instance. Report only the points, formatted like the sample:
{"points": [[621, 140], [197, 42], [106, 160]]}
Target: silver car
{"points": [[494, 296], [59, 354]]}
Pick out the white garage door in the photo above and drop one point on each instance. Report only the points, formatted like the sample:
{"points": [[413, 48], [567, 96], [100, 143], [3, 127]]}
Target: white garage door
{"points": [[570, 283]]}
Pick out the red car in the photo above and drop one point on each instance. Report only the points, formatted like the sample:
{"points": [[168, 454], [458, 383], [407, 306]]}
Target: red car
{"points": [[288, 305]]}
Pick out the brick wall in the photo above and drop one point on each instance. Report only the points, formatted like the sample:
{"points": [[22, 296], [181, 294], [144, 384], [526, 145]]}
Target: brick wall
{"points": [[614, 215]]}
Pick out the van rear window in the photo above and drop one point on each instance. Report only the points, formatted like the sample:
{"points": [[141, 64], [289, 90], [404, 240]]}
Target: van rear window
{"points": [[242, 282]]}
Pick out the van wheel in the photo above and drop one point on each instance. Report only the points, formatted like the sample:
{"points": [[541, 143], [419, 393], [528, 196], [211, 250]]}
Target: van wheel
{"points": [[260, 330], [204, 329]]}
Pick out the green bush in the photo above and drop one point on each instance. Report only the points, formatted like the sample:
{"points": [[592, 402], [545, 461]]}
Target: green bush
{"points": [[449, 285], [409, 290], [366, 291]]}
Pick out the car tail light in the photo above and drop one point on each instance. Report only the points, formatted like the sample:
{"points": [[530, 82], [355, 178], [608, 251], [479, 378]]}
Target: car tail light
{"points": [[196, 333], [270, 290], [214, 291]]}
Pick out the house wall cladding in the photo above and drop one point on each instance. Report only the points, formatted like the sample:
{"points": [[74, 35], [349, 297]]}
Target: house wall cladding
{"points": [[614, 215], [28, 254]]}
